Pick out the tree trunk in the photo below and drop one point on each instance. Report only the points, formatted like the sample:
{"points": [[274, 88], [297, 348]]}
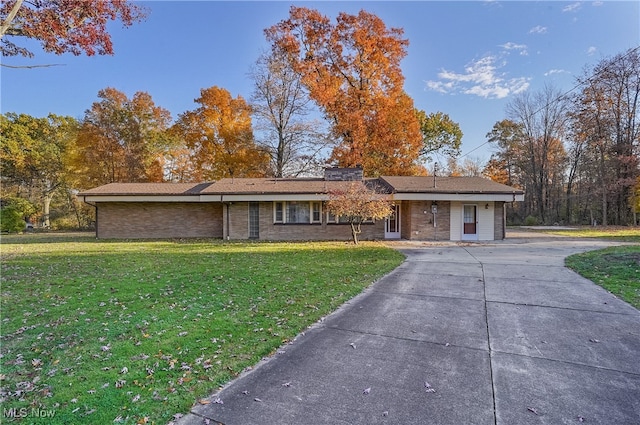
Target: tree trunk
{"points": [[355, 231]]}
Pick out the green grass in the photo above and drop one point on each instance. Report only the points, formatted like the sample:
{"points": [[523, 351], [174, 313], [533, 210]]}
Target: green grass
{"points": [[622, 234], [104, 331], [617, 269]]}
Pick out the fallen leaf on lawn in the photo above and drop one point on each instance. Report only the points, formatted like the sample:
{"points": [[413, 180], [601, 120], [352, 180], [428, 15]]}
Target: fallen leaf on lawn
{"points": [[136, 398], [124, 370]]}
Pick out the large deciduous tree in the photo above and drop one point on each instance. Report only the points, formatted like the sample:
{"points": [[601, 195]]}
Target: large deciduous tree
{"points": [[441, 135], [122, 140], [358, 203], [534, 139], [73, 26], [33, 156], [352, 71], [219, 137], [607, 136], [281, 108]]}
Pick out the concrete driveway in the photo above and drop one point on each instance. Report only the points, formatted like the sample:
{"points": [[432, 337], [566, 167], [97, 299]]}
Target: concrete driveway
{"points": [[496, 333]]}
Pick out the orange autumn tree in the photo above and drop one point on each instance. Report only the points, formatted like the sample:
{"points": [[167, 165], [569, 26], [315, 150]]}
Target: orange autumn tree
{"points": [[352, 71], [219, 137], [73, 26], [357, 204], [121, 140]]}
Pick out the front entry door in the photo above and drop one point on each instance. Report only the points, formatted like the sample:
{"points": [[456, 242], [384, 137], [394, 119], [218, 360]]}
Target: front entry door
{"points": [[470, 222], [392, 224]]}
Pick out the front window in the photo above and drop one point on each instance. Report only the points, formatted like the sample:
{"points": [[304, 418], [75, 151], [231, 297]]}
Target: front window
{"points": [[298, 212], [278, 212], [333, 219], [317, 212]]}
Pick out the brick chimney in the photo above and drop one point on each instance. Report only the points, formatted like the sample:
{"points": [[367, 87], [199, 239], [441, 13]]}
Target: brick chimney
{"points": [[343, 174]]}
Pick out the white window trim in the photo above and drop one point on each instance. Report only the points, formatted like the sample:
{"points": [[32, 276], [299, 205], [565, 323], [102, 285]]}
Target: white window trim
{"points": [[284, 212]]}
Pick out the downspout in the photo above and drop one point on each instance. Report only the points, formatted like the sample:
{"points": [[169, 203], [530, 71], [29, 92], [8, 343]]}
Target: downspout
{"points": [[227, 219], [95, 206]]}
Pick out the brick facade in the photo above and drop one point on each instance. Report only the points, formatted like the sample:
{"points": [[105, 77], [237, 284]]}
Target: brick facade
{"points": [[141, 220], [238, 227], [417, 221]]}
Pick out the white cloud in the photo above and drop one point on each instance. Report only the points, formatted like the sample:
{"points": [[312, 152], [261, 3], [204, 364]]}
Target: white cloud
{"points": [[574, 7], [556, 71], [597, 3], [522, 48], [591, 51], [481, 78], [538, 29]]}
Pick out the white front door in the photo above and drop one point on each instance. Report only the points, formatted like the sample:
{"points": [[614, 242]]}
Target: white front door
{"points": [[470, 222], [392, 224]]}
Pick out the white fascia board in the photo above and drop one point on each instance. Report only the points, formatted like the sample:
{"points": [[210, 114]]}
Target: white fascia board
{"points": [[139, 198], [481, 197], [275, 197]]}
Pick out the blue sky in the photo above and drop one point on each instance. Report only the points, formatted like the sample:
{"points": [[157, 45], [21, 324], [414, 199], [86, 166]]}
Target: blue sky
{"points": [[465, 59]]}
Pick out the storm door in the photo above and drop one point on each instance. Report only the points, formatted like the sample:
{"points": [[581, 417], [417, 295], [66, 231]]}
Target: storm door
{"points": [[470, 222], [392, 224]]}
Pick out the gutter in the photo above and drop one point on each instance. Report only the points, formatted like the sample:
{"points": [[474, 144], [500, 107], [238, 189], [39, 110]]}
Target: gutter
{"points": [[95, 206]]}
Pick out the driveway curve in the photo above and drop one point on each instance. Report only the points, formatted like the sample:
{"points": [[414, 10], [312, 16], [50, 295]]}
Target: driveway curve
{"points": [[486, 333]]}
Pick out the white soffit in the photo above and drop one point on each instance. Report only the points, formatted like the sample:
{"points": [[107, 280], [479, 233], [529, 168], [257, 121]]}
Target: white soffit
{"points": [[483, 197], [143, 198]]}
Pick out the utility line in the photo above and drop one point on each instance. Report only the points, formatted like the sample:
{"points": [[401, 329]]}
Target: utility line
{"points": [[580, 83]]}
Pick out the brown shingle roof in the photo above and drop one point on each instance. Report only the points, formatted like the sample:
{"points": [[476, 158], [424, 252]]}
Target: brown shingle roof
{"points": [[147, 189], [273, 186], [424, 184], [248, 186]]}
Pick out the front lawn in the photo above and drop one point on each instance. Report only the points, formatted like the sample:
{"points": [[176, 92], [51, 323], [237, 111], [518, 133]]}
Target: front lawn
{"points": [[133, 332], [617, 269], [616, 233]]}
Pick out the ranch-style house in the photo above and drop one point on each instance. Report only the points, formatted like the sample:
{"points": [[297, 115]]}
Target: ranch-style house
{"points": [[425, 208]]}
